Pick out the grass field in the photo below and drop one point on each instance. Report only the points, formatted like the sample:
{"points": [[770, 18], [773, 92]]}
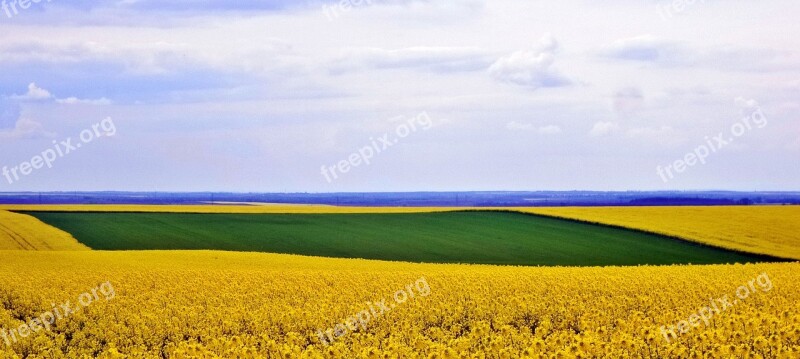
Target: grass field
{"points": [[448, 237], [769, 230]]}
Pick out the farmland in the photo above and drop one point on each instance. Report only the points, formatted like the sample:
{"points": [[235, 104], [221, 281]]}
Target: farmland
{"points": [[188, 282], [180, 304], [21, 232], [739, 228], [447, 237], [772, 230]]}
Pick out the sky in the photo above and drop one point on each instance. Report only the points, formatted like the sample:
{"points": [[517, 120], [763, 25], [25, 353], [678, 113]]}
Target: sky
{"points": [[415, 95]]}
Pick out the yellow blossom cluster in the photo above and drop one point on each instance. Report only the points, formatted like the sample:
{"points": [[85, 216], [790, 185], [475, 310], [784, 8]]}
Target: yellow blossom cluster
{"points": [[208, 304]]}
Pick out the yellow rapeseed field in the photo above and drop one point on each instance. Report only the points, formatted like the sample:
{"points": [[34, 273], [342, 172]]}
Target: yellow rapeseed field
{"points": [[22, 232], [207, 304], [772, 230], [197, 304]]}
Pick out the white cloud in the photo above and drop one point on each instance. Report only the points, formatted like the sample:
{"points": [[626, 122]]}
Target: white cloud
{"points": [[603, 129], [152, 56], [25, 128], [531, 68], [647, 48], [77, 101], [34, 93]]}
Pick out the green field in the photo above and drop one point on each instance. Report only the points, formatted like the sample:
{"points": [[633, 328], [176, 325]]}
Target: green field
{"points": [[454, 237]]}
